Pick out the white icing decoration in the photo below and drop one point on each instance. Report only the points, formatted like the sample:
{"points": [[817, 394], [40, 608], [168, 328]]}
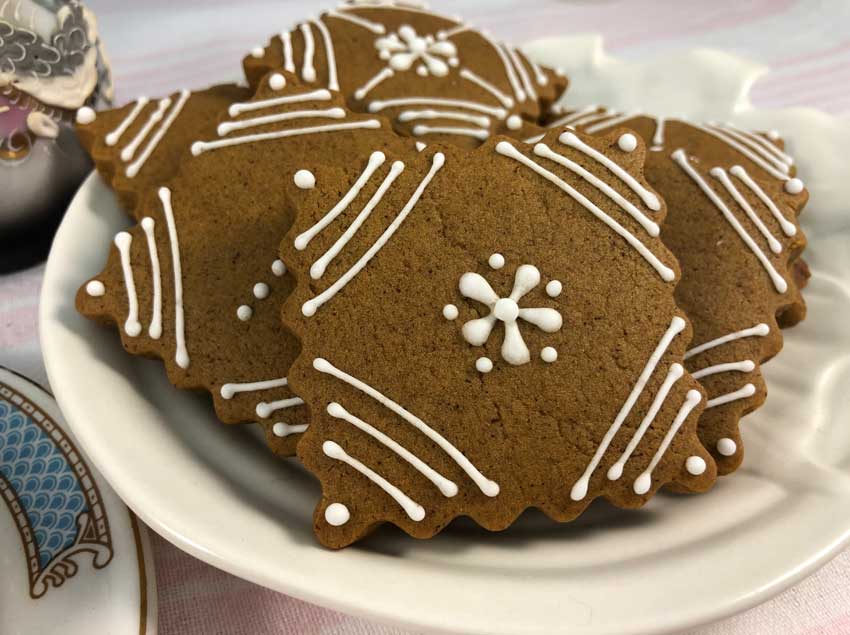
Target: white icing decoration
{"points": [[773, 135], [666, 273], [316, 95], [483, 364], [444, 35], [95, 288], [496, 261], [318, 268], [379, 105], [579, 489], [337, 514], [406, 48], [539, 75], [115, 136], [330, 58], [519, 93], [265, 409], [288, 61], [199, 147], [794, 186], [549, 354], [413, 509], [610, 123], [523, 74], [308, 72], [748, 390], [758, 330], [277, 82], [554, 288], [421, 71], [586, 119], [643, 483], [503, 99], [376, 159], [781, 163], [374, 27], [384, 73], [278, 268], [86, 115], [227, 391], [466, 132], [767, 145], [514, 122], [155, 328], [741, 174], [450, 311], [695, 465], [132, 327], [627, 142], [261, 290], [257, 52], [720, 175], [574, 116], [244, 312], [487, 487], [420, 146], [446, 487], [673, 375], [411, 115], [181, 354], [283, 429], [309, 308], [227, 127], [133, 168], [658, 137], [128, 151], [778, 281], [768, 167], [745, 366], [42, 125], [726, 446], [476, 332], [304, 179]]}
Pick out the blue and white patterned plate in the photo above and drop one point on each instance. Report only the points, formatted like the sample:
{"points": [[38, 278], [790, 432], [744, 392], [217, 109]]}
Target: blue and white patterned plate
{"points": [[73, 558]]}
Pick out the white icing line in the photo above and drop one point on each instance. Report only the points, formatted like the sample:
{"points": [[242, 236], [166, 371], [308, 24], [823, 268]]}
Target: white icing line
{"points": [[487, 487], [129, 150], [503, 99], [378, 105], [155, 328], [539, 75], [413, 509], [568, 119], [333, 84], [542, 150], [509, 69], [181, 354], [444, 35], [759, 330], [778, 281], [658, 137], [132, 327], [309, 308], [677, 325], [741, 174], [264, 409], [586, 119], [376, 159], [742, 393], [283, 429], [384, 73], [745, 366], [133, 168], [643, 483], [421, 129], [768, 167], [411, 115], [523, 74], [227, 127], [534, 139], [673, 375], [720, 175], [308, 72], [288, 61], [318, 268], [316, 95], [446, 487], [374, 27], [570, 139], [777, 161], [610, 123], [115, 136], [200, 147], [766, 144], [229, 390], [666, 273]]}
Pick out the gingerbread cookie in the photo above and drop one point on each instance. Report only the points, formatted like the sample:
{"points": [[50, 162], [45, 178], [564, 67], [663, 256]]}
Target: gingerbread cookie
{"points": [[733, 203], [139, 146], [437, 78], [488, 331], [198, 282]]}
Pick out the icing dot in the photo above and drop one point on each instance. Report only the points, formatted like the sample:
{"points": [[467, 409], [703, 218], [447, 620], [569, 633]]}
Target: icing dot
{"points": [[95, 288], [257, 52], [514, 122], [793, 186], [548, 354], [454, 61], [278, 268], [483, 364], [420, 146], [627, 142], [304, 179], [277, 81], [244, 312], [695, 465], [554, 288], [496, 261], [506, 310], [642, 484], [450, 312], [261, 290], [86, 115], [773, 135], [421, 71], [337, 514], [726, 446]]}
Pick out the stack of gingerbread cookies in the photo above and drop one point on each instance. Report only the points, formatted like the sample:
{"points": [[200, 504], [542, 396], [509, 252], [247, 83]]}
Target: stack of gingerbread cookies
{"points": [[443, 292]]}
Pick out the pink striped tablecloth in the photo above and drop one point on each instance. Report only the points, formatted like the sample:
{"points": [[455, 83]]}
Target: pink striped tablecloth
{"points": [[158, 46]]}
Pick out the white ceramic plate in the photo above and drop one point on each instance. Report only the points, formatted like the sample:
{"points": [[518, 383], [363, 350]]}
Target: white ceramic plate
{"points": [[215, 491]]}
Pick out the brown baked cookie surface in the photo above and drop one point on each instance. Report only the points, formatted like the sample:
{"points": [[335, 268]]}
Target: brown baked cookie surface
{"points": [[198, 282], [488, 331], [733, 204], [437, 78], [139, 146]]}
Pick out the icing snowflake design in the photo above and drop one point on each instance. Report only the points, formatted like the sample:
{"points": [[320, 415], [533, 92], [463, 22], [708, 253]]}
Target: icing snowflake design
{"points": [[403, 49], [507, 310]]}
